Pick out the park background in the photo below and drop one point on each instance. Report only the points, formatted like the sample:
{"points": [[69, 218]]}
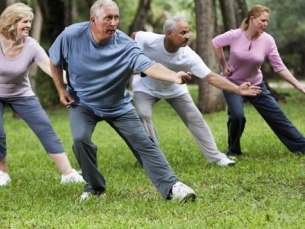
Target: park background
{"points": [[207, 18], [264, 190]]}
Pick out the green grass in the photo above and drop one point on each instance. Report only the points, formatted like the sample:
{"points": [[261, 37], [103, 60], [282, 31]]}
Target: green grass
{"points": [[264, 190]]}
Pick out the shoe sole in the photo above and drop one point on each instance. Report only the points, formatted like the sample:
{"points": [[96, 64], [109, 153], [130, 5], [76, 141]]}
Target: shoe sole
{"points": [[189, 197], [89, 196], [229, 164], [6, 183]]}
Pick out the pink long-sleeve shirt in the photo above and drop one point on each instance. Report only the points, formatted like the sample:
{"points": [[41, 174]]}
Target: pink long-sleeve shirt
{"points": [[246, 56]]}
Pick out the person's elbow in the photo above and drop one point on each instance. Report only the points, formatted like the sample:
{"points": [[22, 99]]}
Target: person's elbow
{"points": [[133, 35], [209, 78]]}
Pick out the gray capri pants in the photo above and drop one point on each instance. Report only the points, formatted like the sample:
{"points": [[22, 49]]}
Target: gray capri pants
{"points": [[31, 111]]}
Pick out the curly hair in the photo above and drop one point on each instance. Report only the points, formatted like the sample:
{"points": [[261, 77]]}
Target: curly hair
{"points": [[11, 16]]}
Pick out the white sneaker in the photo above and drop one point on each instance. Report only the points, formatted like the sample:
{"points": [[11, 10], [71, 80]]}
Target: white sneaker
{"points": [[73, 177], [4, 178], [225, 162], [232, 157], [87, 195], [182, 192]]}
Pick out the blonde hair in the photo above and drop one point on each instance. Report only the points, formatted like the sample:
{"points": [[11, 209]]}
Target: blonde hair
{"points": [[11, 16], [254, 11]]}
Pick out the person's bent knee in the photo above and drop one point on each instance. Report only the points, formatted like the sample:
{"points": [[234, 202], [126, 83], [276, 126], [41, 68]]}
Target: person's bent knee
{"points": [[238, 118], [144, 115]]}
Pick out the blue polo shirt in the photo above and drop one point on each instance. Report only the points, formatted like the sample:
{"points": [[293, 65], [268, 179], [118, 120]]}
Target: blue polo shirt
{"points": [[99, 74]]}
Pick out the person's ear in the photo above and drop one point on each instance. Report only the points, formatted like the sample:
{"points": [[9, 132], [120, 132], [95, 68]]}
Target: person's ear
{"points": [[92, 19]]}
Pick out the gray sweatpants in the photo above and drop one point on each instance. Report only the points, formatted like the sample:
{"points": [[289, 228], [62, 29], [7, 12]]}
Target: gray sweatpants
{"points": [[130, 128], [190, 115]]}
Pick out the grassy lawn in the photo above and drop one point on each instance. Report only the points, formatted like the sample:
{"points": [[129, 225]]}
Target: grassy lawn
{"points": [[264, 190]]}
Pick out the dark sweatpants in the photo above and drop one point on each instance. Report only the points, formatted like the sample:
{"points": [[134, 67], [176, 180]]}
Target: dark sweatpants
{"points": [[268, 108], [130, 128]]}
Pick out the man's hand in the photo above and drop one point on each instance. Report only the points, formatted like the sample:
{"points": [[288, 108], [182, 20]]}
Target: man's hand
{"points": [[248, 90], [65, 98], [183, 77]]}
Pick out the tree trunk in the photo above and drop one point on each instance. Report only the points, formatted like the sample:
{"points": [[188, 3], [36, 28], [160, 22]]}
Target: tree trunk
{"points": [[228, 17], [54, 18], [141, 16], [139, 22], [35, 33], [228, 14], [241, 10], [210, 98]]}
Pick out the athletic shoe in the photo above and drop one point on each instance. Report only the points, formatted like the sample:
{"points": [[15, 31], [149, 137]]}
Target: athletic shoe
{"points": [[73, 177], [87, 195], [225, 162], [182, 192], [4, 178], [233, 155]]}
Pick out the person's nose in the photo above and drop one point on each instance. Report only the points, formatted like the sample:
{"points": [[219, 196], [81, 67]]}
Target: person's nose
{"points": [[266, 24], [187, 36], [114, 22]]}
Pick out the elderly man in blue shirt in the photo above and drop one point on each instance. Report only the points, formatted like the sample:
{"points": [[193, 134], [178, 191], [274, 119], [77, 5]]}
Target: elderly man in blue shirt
{"points": [[100, 60]]}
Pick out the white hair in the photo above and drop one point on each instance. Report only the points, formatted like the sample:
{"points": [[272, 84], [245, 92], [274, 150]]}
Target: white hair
{"points": [[95, 9], [170, 24]]}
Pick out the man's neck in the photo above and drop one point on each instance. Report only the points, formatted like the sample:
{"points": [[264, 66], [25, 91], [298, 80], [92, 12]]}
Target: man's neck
{"points": [[169, 47], [98, 39]]}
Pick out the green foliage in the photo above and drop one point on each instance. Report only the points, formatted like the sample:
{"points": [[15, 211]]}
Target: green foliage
{"points": [[264, 190], [292, 61], [161, 10], [286, 19], [286, 24], [46, 90], [127, 13]]}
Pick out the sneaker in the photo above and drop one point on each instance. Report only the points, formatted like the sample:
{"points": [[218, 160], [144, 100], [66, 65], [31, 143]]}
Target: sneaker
{"points": [[4, 178], [73, 177], [225, 162], [182, 192], [232, 157], [87, 195]]}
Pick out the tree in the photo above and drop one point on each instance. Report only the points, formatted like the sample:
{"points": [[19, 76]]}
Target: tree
{"points": [[141, 16], [210, 98], [241, 10], [228, 14], [36, 34]]}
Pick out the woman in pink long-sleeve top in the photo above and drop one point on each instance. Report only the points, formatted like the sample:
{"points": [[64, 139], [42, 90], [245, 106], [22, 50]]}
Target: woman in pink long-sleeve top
{"points": [[250, 46]]}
